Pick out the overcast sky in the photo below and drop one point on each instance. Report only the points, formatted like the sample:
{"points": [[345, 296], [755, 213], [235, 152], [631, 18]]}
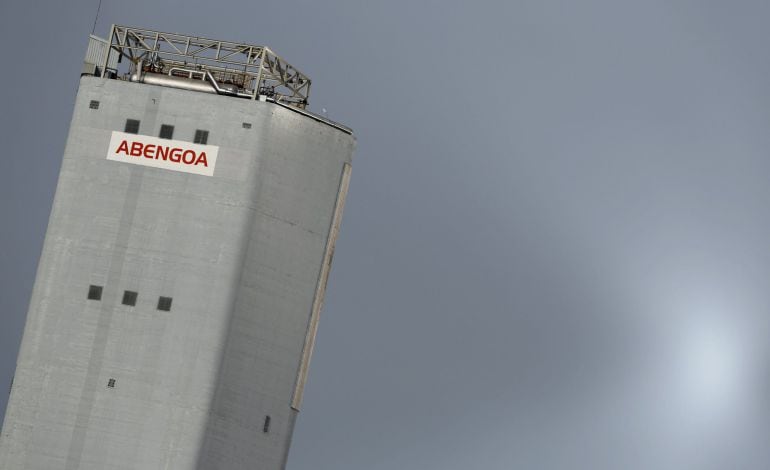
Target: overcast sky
{"points": [[556, 248]]}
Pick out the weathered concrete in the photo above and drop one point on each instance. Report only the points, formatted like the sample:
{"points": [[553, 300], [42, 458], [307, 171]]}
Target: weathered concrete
{"points": [[241, 253]]}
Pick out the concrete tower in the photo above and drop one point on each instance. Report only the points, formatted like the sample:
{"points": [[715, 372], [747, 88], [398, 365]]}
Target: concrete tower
{"points": [[177, 297]]}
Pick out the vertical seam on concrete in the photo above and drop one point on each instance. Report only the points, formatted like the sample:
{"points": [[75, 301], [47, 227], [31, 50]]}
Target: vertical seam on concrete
{"points": [[96, 360], [248, 231], [320, 292], [287, 444]]}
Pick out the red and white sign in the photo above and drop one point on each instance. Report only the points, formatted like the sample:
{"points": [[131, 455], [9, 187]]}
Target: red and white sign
{"points": [[168, 154]]}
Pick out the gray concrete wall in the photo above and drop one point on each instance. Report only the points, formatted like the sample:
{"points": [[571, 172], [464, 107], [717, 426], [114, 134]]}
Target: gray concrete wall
{"points": [[240, 253]]}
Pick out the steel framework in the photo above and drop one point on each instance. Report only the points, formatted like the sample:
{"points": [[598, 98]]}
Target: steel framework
{"points": [[256, 70]]}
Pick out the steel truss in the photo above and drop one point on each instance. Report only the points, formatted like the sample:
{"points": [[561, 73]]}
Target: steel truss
{"points": [[255, 69]]}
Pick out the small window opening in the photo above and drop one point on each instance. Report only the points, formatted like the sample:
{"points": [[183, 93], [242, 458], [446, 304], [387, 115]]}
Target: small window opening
{"points": [[129, 298], [132, 126], [201, 137], [93, 104], [94, 292], [247, 125], [164, 303], [166, 131], [266, 426], [111, 383]]}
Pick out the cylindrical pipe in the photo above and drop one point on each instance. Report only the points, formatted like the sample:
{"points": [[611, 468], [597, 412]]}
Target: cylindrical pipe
{"points": [[141, 76], [207, 84], [177, 82]]}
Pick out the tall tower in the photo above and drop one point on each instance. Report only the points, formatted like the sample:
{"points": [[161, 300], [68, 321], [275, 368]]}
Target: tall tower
{"points": [[178, 293]]}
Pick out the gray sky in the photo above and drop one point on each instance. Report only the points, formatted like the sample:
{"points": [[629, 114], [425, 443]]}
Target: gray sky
{"points": [[555, 249]]}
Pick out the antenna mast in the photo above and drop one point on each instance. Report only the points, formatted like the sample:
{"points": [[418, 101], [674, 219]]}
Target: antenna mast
{"points": [[97, 16]]}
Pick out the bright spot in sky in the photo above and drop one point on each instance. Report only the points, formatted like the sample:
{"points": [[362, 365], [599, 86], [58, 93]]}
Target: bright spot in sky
{"points": [[711, 367]]}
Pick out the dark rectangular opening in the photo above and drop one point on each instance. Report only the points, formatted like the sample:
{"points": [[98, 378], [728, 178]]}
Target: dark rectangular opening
{"points": [[129, 298], [201, 137], [132, 126], [164, 303], [166, 131], [266, 426], [93, 104], [94, 292]]}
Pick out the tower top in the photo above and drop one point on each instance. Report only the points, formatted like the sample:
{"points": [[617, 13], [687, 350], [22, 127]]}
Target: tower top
{"points": [[200, 64]]}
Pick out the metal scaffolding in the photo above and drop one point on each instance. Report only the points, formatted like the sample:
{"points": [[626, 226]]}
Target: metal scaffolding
{"points": [[256, 71]]}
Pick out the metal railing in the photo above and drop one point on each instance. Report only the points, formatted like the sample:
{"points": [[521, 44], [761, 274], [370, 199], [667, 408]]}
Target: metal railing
{"points": [[255, 70]]}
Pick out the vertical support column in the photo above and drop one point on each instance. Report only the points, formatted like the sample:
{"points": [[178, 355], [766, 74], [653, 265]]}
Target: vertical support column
{"points": [[262, 55], [109, 50], [318, 300]]}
